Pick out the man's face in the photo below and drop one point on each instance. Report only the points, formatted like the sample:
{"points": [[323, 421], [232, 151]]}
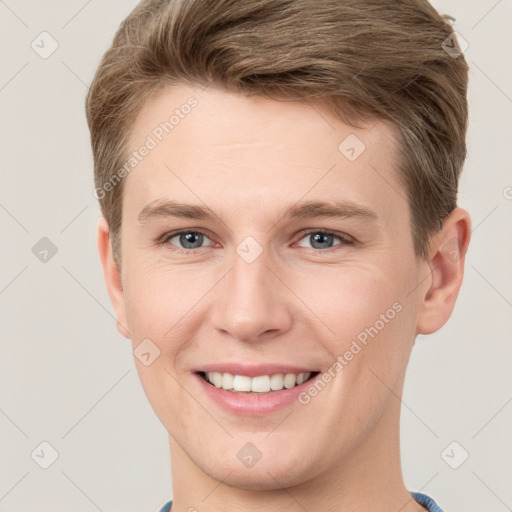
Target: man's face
{"points": [[254, 292]]}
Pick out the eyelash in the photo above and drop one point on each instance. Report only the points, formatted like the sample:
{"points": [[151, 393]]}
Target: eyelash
{"points": [[345, 239]]}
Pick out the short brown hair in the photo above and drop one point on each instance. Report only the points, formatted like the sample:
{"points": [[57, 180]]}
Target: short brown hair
{"points": [[381, 59]]}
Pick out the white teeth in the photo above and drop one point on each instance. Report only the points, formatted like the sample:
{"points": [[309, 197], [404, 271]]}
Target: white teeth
{"points": [[259, 384], [290, 380], [227, 381], [276, 382], [217, 379], [242, 383]]}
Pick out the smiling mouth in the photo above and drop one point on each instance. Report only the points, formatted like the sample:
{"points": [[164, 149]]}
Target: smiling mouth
{"points": [[259, 384]]}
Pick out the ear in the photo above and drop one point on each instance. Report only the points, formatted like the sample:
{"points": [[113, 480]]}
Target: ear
{"points": [[446, 261], [112, 276]]}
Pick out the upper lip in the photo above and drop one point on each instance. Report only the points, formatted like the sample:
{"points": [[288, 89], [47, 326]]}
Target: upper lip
{"points": [[252, 370]]}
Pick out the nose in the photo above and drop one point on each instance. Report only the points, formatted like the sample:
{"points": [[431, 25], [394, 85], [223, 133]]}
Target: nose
{"points": [[252, 303]]}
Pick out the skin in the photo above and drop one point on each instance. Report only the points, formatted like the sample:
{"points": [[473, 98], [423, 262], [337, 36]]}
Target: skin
{"points": [[247, 159]]}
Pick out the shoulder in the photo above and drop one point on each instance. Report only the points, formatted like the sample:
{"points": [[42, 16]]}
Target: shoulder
{"points": [[166, 507], [427, 502]]}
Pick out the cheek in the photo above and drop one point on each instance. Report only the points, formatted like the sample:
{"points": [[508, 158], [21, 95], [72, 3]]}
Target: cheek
{"points": [[165, 394], [369, 315], [349, 299], [158, 298]]}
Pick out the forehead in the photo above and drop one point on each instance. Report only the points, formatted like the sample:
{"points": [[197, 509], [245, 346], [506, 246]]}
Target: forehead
{"points": [[232, 151]]}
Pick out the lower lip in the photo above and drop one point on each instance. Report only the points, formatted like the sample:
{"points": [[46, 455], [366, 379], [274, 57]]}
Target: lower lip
{"points": [[253, 404]]}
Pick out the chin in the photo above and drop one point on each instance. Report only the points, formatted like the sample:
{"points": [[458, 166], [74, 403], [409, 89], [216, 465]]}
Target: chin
{"points": [[278, 470], [259, 480]]}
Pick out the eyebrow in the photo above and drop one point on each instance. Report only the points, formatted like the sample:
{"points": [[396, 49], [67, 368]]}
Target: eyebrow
{"points": [[161, 208]]}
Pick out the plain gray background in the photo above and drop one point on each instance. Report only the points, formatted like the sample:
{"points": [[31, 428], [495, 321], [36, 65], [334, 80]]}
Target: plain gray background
{"points": [[68, 378]]}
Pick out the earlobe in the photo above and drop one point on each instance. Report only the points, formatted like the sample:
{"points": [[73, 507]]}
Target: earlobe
{"points": [[446, 263], [112, 276]]}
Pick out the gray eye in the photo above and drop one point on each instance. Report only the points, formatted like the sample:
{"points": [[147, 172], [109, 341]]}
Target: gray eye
{"points": [[321, 240], [189, 240]]}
